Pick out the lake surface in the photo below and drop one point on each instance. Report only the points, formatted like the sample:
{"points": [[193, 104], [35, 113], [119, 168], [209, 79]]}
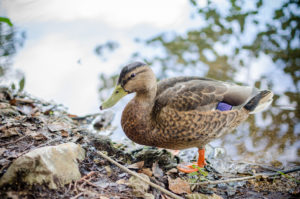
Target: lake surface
{"points": [[269, 137], [59, 62]]}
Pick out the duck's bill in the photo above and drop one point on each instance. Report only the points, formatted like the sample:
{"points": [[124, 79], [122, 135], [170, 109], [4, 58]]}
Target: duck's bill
{"points": [[117, 94]]}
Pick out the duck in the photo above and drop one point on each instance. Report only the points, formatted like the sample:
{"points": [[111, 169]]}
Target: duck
{"points": [[182, 112]]}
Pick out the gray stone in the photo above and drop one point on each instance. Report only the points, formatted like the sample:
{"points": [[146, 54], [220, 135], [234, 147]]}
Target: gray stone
{"points": [[51, 165]]}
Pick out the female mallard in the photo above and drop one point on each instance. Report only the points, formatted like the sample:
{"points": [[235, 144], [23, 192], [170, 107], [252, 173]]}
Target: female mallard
{"points": [[182, 112]]}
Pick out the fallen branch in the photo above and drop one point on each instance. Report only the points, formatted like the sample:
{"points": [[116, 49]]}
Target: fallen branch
{"points": [[89, 183], [266, 175], [15, 141], [77, 196], [138, 176], [87, 176]]}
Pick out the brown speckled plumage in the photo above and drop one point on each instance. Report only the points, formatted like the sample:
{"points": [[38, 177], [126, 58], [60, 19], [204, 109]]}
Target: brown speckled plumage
{"points": [[179, 113]]}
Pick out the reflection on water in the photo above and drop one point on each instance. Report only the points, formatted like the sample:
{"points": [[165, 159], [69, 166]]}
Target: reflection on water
{"points": [[248, 42], [272, 136], [227, 48]]}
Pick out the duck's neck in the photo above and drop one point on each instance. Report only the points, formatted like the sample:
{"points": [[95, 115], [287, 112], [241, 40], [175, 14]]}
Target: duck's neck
{"points": [[136, 118]]}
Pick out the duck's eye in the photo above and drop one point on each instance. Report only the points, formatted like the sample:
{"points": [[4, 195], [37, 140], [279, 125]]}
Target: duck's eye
{"points": [[132, 75], [117, 92]]}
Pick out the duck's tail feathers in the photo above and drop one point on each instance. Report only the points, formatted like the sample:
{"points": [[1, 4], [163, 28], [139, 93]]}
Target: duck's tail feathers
{"points": [[259, 102]]}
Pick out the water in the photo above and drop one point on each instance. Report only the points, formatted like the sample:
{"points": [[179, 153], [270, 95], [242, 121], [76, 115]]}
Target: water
{"points": [[269, 137], [59, 62]]}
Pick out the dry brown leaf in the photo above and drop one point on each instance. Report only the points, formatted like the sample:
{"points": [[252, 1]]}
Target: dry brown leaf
{"points": [[179, 186], [9, 132], [64, 133], [37, 136], [13, 102], [146, 171], [137, 165], [71, 115]]}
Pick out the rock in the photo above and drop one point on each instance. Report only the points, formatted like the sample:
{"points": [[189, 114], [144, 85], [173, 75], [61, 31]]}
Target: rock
{"points": [[222, 163], [54, 166]]}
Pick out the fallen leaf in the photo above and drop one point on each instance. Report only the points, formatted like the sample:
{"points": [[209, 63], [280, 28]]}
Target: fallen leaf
{"points": [[8, 132], [157, 172], [122, 181], [37, 136], [146, 171], [13, 102], [57, 126], [71, 115], [179, 186], [137, 165], [203, 196], [64, 133]]}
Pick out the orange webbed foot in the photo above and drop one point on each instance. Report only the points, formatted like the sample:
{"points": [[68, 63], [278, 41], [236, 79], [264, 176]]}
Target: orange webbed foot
{"points": [[189, 168]]}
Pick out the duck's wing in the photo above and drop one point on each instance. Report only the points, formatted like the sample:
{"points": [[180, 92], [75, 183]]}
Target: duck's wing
{"points": [[195, 93]]}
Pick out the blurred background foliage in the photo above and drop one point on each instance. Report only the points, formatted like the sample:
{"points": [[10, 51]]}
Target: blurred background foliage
{"points": [[10, 40], [230, 40]]}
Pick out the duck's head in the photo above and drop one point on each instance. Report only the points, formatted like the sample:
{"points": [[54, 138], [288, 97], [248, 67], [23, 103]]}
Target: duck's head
{"points": [[136, 77]]}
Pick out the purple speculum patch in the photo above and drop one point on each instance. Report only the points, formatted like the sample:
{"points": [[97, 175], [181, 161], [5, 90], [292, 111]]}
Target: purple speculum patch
{"points": [[222, 106]]}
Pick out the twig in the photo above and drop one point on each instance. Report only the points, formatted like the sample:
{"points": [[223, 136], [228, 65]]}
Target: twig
{"points": [[138, 176], [248, 177], [22, 100], [260, 165], [48, 142], [84, 178], [87, 176], [89, 183], [77, 196], [12, 142]]}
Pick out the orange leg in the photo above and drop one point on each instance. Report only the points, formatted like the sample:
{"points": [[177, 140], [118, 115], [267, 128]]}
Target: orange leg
{"points": [[201, 158], [188, 168]]}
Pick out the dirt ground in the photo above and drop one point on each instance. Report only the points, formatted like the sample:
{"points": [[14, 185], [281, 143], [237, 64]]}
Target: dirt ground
{"points": [[27, 123]]}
